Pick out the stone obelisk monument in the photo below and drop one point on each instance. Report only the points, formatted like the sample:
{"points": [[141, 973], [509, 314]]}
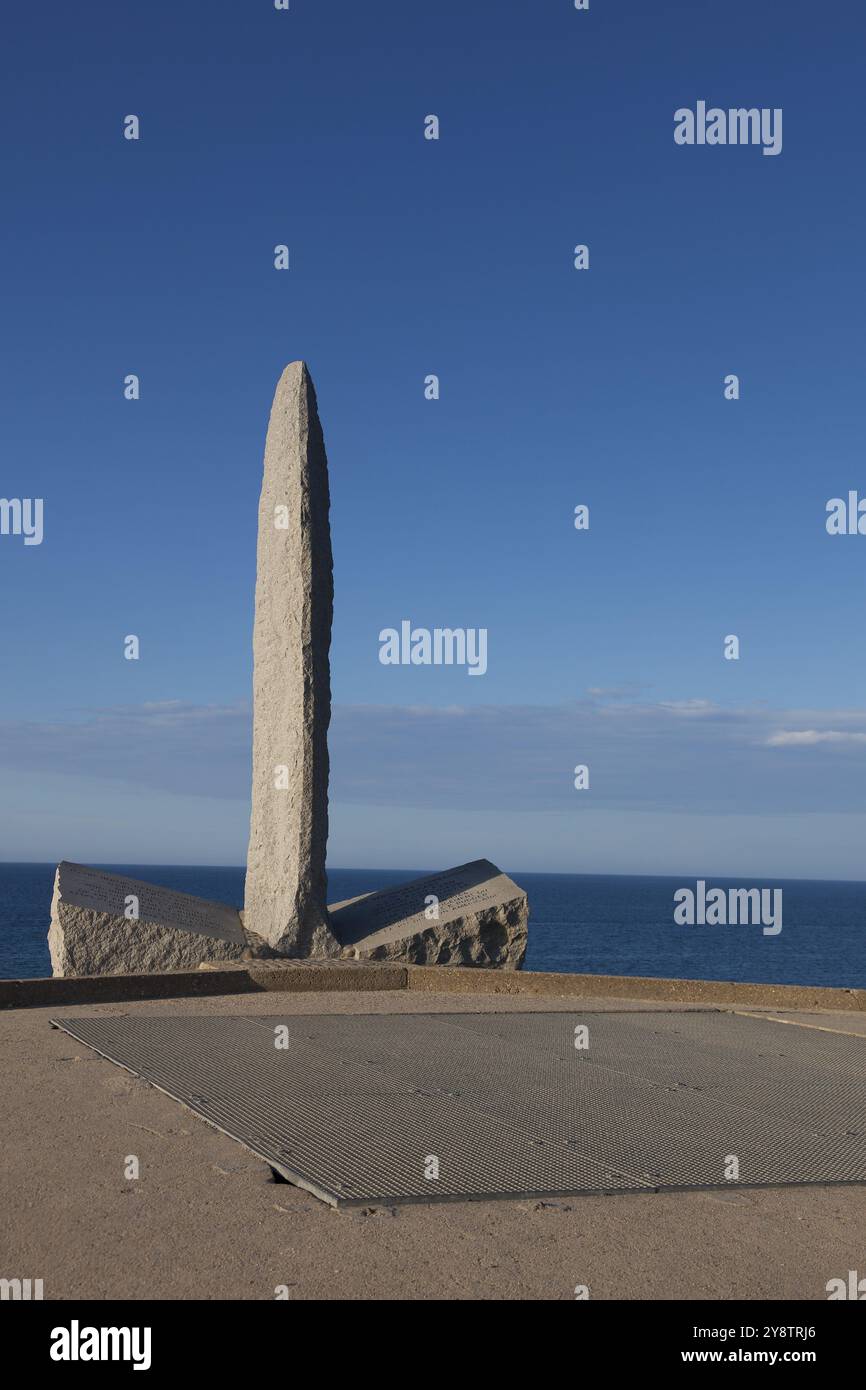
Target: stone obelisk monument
{"points": [[285, 885], [106, 924]]}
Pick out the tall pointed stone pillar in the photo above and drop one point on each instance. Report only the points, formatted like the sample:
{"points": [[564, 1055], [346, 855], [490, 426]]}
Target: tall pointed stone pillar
{"points": [[285, 884]]}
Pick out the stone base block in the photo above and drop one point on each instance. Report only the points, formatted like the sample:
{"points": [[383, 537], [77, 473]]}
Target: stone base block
{"points": [[105, 924], [471, 915]]}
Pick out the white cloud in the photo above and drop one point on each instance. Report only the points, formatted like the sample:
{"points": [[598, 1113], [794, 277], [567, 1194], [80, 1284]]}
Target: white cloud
{"points": [[683, 756], [790, 738], [690, 707]]}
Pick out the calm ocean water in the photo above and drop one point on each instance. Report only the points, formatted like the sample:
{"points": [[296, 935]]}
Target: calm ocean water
{"points": [[592, 923]]}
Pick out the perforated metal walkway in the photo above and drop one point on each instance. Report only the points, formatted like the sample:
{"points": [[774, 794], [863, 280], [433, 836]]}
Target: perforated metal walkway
{"points": [[369, 1109]]}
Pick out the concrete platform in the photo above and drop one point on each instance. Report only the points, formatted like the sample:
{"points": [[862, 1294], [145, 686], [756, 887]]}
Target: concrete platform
{"points": [[206, 1220]]}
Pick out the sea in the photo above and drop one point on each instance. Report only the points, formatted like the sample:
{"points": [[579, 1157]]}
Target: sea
{"points": [[599, 924]]}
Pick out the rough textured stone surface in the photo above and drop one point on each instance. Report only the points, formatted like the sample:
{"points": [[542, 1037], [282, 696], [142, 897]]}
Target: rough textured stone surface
{"points": [[89, 934], [482, 920], [285, 896]]}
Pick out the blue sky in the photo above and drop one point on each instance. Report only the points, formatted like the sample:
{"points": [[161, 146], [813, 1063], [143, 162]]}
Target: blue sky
{"points": [[558, 387]]}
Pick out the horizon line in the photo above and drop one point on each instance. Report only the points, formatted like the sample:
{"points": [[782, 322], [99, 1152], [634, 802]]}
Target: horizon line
{"points": [[423, 873]]}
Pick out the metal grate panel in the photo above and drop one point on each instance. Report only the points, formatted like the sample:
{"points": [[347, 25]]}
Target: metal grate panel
{"points": [[357, 1104]]}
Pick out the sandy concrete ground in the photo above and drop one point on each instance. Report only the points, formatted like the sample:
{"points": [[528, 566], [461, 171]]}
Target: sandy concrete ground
{"points": [[206, 1220]]}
